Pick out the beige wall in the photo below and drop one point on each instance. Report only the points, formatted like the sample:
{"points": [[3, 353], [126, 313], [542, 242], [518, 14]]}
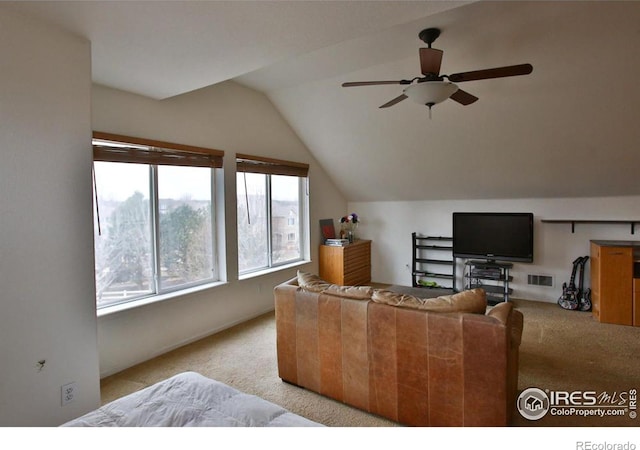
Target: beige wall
{"points": [[47, 294], [390, 224], [235, 119]]}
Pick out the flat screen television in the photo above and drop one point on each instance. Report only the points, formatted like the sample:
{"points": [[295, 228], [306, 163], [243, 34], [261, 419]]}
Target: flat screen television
{"points": [[493, 236]]}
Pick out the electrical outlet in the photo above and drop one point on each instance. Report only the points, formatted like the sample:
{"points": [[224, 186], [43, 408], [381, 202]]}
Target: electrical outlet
{"points": [[68, 392]]}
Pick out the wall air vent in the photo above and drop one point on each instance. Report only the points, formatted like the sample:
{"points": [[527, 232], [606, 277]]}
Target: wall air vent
{"points": [[540, 280]]}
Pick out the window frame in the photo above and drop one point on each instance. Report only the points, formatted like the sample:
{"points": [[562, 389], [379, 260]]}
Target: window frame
{"points": [[153, 154], [268, 167]]}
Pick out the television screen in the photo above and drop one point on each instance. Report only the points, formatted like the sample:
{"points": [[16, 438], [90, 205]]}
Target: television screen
{"points": [[493, 236]]}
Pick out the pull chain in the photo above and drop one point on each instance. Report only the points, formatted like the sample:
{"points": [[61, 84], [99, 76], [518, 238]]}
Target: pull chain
{"points": [[95, 192], [246, 197], [430, 105]]}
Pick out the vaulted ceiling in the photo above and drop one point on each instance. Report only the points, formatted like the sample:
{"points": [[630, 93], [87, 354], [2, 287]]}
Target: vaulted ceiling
{"points": [[569, 129]]}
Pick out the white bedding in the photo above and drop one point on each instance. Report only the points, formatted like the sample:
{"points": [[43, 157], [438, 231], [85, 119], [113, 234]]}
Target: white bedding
{"points": [[190, 400]]}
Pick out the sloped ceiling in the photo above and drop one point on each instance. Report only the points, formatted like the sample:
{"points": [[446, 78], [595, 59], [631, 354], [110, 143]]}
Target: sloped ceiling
{"points": [[567, 130]]}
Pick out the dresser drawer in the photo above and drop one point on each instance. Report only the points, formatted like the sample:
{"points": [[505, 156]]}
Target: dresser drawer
{"points": [[359, 276], [357, 252]]}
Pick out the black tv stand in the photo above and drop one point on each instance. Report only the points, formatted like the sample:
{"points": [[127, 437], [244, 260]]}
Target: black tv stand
{"points": [[490, 275]]}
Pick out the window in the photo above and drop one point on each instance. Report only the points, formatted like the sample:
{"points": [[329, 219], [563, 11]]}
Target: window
{"points": [[272, 213], [154, 221]]}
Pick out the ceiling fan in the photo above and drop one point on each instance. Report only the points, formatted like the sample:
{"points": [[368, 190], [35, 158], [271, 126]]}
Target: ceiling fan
{"points": [[432, 88]]}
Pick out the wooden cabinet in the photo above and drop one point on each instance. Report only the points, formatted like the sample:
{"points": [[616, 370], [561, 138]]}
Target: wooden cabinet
{"points": [[347, 266], [613, 284]]}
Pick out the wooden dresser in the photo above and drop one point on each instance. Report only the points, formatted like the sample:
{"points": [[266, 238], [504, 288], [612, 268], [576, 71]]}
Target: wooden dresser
{"points": [[615, 282], [347, 266]]}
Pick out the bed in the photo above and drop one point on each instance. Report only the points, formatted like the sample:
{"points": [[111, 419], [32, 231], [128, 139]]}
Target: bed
{"points": [[190, 399]]}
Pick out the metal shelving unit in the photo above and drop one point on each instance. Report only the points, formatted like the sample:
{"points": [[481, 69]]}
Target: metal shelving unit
{"points": [[433, 262], [491, 276]]}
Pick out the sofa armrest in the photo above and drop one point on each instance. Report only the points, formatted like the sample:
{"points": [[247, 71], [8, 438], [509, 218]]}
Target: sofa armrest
{"points": [[292, 282], [501, 311], [511, 317], [517, 325]]}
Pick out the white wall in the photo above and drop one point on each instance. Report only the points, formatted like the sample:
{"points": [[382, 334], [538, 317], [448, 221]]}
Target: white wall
{"points": [[48, 108], [390, 224], [227, 117], [46, 260]]}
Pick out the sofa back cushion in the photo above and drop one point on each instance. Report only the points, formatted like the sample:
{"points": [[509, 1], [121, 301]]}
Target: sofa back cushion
{"points": [[469, 301], [352, 292], [313, 283]]}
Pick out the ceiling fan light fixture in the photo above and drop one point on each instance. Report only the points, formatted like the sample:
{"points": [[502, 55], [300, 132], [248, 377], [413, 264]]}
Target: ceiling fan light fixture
{"points": [[430, 92]]}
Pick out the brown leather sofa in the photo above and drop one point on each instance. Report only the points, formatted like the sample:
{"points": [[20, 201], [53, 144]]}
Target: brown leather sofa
{"points": [[406, 363]]}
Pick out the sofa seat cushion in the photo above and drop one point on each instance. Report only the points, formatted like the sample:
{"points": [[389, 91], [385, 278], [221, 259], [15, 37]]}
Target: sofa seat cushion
{"points": [[314, 283], [469, 301]]}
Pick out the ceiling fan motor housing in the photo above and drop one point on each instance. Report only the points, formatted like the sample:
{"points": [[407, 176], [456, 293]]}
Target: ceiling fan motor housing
{"points": [[429, 35]]}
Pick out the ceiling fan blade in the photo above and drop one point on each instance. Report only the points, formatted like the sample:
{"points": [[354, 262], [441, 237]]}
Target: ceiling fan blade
{"points": [[430, 61], [498, 72], [372, 83], [463, 97], [398, 99]]}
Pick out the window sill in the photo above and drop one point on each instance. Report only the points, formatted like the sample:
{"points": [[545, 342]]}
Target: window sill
{"points": [[113, 309], [259, 273]]}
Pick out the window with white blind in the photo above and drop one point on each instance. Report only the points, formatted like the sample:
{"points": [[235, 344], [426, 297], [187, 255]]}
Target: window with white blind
{"points": [[273, 225], [154, 217]]}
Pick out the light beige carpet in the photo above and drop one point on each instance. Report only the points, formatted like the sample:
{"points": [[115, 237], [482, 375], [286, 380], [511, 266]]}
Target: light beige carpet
{"points": [[561, 350], [243, 357], [569, 351]]}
